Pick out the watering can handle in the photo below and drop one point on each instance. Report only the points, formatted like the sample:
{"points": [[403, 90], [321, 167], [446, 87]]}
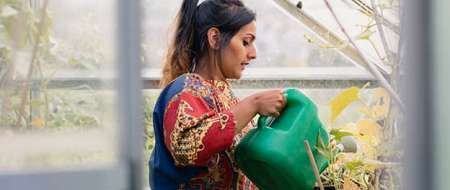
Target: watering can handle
{"points": [[268, 120]]}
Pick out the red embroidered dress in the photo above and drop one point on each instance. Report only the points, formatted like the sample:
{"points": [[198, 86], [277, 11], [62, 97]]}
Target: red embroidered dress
{"points": [[199, 131]]}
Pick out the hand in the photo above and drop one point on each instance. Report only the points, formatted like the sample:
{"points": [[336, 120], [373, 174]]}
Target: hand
{"points": [[270, 103]]}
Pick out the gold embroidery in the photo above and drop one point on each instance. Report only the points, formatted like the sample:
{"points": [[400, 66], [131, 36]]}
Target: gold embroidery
{"points": [[223, 118], [188, 134]]}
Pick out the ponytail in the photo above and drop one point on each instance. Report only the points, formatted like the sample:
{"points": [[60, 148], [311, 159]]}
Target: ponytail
{"points": [[180, 52]]}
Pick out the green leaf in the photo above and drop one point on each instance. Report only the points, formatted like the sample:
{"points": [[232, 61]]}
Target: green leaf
{"points": [[338, 134], [323, 149], [365, 35], [354, 164]]}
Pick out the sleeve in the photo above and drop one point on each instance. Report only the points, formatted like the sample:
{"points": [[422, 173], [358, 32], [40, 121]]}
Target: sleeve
{"points": [[194, 133]]}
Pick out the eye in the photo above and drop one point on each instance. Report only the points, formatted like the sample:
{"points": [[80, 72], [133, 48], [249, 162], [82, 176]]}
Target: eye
{"points": [[246, 43]]}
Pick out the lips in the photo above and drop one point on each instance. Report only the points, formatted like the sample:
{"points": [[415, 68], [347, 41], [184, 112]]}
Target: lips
{"points": [[243, 65]]}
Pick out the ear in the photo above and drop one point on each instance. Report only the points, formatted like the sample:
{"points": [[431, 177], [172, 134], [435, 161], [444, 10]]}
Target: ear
{"points": [[213, 38]]}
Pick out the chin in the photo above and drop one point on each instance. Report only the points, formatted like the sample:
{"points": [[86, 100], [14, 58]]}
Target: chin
{"points": [[238, 75]]}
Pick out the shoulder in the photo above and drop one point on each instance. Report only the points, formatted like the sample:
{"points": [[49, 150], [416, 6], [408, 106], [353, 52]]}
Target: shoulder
{"points": [[195, 85], [190, 87]]}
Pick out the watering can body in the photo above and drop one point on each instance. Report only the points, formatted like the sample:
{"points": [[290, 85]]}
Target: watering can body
{"points": [[273, 155]]}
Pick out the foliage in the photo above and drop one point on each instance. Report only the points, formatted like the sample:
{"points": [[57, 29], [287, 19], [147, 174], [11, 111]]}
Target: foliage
{"points": [[375, 165], [25, 99], [148, 123], [368, 168]]}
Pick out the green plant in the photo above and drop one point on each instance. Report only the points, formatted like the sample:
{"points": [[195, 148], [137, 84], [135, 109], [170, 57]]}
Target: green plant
{"points": [[26, 101], [375, 164]]}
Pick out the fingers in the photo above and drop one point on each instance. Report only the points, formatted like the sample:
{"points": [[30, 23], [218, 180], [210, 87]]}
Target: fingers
{"points": [[271, 102], [280, 102], [282, 99], [275, 114], [279, 106]]}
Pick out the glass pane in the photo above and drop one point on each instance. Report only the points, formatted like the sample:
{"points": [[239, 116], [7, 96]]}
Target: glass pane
{"points": [[282, 41], [57, 101], [290, 51], [441, 103], [362, 26]]}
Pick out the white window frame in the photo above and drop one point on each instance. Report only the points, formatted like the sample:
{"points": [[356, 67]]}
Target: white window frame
{"points": [[127, 173]]}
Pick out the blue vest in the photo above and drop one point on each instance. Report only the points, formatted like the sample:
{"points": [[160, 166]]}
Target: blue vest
{"points": [[163, 174]]}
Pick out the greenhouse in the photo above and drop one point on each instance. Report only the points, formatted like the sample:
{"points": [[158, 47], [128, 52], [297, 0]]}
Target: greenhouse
{"points": [[286, 94]]}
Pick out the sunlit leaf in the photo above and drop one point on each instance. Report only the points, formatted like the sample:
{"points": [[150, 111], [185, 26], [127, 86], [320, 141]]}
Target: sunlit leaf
{"points": [[365, 35], [369, 131], [354, 164], [37, 122], [338, 133], [323, 149], [342, 100], [380, 103]]}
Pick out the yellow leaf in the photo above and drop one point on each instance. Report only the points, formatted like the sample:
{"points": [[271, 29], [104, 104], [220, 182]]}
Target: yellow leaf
{"points": [[369, 131], [37, 122], [342, 100], [380, 104], [349, 185]]}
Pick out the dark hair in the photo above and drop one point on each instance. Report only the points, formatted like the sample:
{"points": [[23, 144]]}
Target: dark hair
{"points": [[192, 24]]}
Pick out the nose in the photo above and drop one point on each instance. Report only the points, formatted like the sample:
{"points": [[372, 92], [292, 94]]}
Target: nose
{"points": [[251, 54]]}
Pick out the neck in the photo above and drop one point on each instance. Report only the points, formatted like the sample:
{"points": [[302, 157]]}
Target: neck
{"points": [[208, 69]]}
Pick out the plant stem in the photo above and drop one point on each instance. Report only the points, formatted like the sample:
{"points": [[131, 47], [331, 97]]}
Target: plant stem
{"points": [[372, 67], [377, 15], [32, 62], [376, 50], [369, 11]]}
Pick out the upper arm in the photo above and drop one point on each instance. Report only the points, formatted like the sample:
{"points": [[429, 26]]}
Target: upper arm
{"points": [[193, 132]]}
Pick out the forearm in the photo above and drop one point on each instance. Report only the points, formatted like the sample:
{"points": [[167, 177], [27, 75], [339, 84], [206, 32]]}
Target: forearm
{"points": [[244, 112]]}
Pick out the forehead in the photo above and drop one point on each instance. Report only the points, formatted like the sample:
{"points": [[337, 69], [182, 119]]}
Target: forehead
{"points": [[249, 28]]}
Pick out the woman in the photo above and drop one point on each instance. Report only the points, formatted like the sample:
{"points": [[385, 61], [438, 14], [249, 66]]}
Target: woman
{"points": [[197, 119]]}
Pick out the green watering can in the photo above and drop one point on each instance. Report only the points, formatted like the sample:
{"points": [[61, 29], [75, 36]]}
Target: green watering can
{"points": [[273, 155]]}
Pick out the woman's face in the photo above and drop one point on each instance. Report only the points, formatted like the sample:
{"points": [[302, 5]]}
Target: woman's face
{"points": [[239, 52]]}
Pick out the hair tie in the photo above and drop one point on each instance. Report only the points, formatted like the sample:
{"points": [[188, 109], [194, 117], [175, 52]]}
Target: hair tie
{"points": [[200, 2]]}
